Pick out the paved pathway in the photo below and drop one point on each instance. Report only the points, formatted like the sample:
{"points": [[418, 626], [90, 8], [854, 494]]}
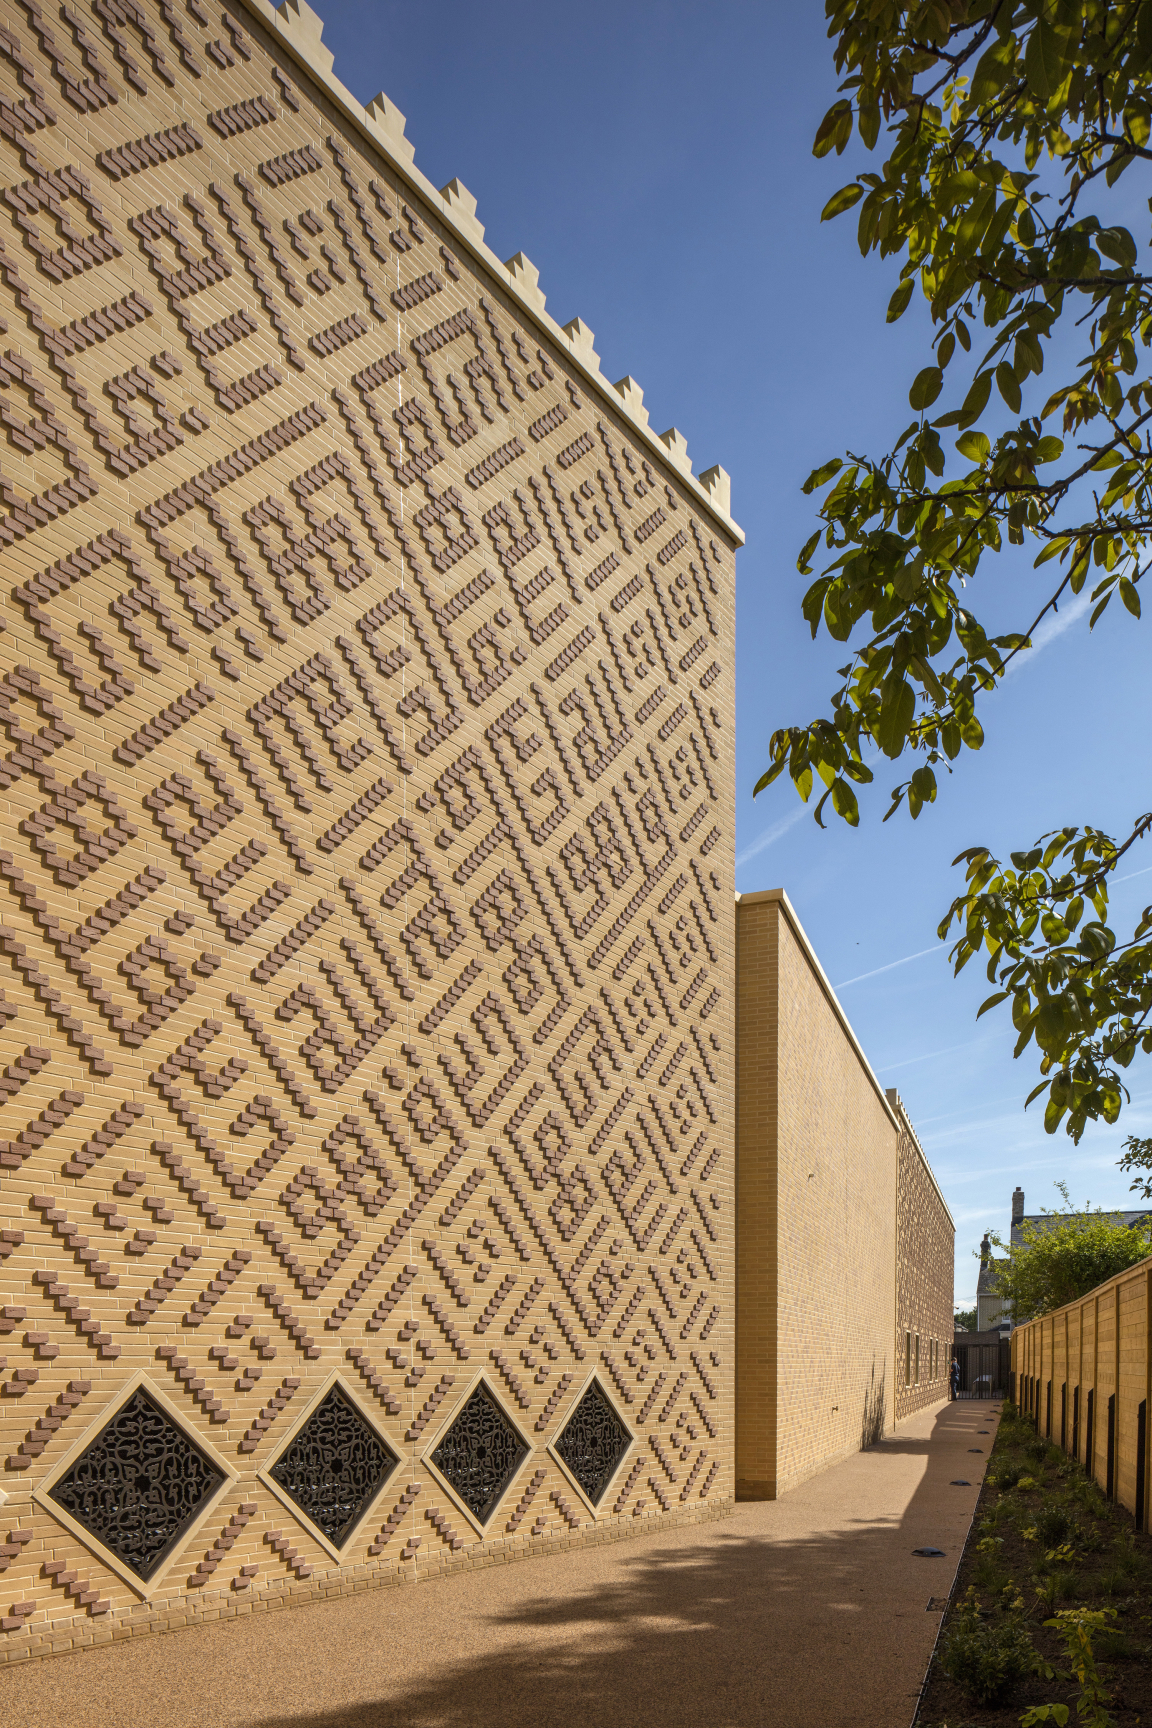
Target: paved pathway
{"points": [[805, 1612]]}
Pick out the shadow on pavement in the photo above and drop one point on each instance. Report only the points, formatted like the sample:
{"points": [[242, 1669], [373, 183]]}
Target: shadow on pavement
{"points": [[753, 1620]]}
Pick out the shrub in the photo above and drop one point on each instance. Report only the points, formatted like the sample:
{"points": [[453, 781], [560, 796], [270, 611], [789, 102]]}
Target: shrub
{"points": [[986, 1658], [1112, 1643], [1053, 1525], [1056, 1588], [1006, 1476], [1037, 1449], [1114, 1580], [1086, 1493]]}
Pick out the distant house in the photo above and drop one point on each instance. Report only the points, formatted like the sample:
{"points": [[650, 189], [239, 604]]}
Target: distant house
{"points": [[1045, 1220], [991, 1310]]}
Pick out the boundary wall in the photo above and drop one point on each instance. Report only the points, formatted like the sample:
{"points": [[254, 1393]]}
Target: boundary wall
{"points": [[844, 1240], [1084, 1374]]}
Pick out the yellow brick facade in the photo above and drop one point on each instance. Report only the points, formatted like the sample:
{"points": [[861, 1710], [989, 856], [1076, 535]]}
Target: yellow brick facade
{"points": [[1084, 1374], [925, 1274], [836, 1206], [366, 674]]}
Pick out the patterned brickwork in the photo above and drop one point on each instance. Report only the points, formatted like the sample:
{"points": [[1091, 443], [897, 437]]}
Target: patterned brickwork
{"points": [[925, 1276], [366, 697]]}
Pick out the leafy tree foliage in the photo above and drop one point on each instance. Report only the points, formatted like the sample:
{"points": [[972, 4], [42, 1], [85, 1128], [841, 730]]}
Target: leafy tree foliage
{"points": [[1010, 127], [965, 1319], [1064, 1257], [1138, 1156]]}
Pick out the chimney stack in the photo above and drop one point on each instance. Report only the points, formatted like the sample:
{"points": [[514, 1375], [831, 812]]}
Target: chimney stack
{"points": [[1017, 1205]]}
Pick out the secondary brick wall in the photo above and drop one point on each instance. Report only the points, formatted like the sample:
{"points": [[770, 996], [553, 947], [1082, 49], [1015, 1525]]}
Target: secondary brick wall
{"points": [[366, 677], [828, 1174], [925, 1275]]}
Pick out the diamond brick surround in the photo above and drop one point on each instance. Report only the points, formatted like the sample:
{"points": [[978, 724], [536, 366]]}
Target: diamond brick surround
{"points": [[366, 748]]}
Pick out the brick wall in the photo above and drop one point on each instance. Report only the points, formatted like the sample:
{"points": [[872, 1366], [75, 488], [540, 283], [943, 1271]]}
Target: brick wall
{"points": [[925, 1275], [830, 1182], [366, 676]]}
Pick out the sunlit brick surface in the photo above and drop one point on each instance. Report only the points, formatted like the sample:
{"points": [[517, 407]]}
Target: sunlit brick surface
{"points": [[367, 687]]}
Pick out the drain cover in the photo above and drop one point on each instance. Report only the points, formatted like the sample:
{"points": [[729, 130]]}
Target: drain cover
{"points": [[978, 1449], [959, 1482], [930, 1553]]}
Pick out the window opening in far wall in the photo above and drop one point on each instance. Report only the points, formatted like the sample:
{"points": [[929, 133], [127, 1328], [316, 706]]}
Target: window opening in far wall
{"points": [[907, 1358], [917, 1358]]}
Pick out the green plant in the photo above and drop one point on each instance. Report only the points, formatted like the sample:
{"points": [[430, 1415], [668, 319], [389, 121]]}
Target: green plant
{"points": [[1086, 1494], [989, 1574], [1063, 1256], [1037, 1449], [996, 186], [1052, 1524], [1075, 1628], [1112, 1643], [1055, 1588], [986, 1657], [1006, 1476], [1113, 1581]]}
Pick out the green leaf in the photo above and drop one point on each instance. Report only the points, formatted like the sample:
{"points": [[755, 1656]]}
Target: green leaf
{"points": [[993, 69], [1129, 596], [802, 563], [898, 304], [1007, 386], [1136, 123], [975, 446], [842, 200], [1043, 61], [821, 476], [844, 802], [977, 399], [1048, 450], [991, 1002], [1117, 244], [926, 386], [868, 123], [834, 130]]}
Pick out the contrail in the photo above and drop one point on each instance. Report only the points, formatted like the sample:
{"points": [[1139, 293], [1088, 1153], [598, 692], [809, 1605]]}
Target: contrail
{"points": [[770, 835], [860, 977]]}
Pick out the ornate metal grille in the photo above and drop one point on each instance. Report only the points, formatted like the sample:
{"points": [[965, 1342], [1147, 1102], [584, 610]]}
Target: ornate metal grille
{"points": [[480, 1454], [334, 1466], [139, 1485], [593, 1442]]}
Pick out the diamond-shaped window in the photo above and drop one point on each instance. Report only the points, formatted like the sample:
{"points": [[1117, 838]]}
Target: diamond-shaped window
{"points": [[334, 1466], [480, 1454], [593, 1442], [139, 1485]]}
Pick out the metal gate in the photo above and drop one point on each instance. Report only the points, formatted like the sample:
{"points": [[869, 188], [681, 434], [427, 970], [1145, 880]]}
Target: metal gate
{"points": [[984, 1367]]}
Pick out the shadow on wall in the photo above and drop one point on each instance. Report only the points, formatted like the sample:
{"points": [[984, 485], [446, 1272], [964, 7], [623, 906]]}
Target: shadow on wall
{"points": [[872, 1422]]}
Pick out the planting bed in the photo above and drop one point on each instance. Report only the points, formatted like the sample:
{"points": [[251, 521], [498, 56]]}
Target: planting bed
{"points": [[1044, 1539]]}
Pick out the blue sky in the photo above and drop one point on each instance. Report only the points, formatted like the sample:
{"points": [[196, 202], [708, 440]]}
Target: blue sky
{"points": [[654, 162]]}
